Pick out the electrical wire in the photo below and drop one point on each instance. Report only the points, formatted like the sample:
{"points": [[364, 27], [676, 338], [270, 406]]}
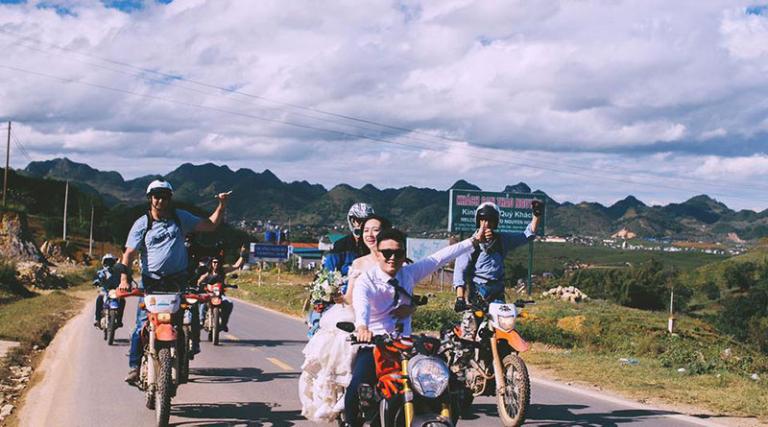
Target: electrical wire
{"points": [[171, 79], [343, 134]]}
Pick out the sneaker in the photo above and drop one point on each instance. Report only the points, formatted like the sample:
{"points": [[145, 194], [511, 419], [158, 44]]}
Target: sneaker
{"points": [[225, 328], [133, 376]]}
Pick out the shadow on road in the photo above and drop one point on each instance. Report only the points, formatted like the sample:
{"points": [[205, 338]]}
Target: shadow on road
{"points": [[562, 415], [223, 414], [264, 343], [235, 375], [120, 342]]}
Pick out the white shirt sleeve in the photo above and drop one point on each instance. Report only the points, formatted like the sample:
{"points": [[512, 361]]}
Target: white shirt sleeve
{"points": [[424, 267], [360, 301]]}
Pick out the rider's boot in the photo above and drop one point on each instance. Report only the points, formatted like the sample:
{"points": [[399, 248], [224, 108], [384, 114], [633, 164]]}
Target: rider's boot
{"points": [[133, 376]]}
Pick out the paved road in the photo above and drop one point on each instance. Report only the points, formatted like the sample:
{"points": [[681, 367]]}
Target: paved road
{"points": [[251, 380]]}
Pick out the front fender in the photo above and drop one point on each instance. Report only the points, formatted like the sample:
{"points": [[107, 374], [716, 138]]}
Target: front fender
{"points": [[165, 332], [513, 339]]}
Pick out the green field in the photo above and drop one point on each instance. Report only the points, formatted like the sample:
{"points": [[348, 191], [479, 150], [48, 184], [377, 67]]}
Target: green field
{"points": [[553, 257]]}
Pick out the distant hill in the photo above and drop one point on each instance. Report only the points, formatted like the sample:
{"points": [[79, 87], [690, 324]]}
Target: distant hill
{"points": [[264, 196]]}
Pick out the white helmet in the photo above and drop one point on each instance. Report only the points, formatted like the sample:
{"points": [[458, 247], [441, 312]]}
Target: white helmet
{"points": [[159, 186], [108, 257], [489, 211], [358, 211]]}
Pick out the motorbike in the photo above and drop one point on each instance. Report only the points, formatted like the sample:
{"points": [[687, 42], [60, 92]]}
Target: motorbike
{"points": [[109, 315], [191, 309], [486, 358], [164, 353], [212, 323], [413, 383]]}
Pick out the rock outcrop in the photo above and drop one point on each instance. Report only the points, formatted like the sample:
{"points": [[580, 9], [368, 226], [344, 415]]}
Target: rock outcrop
{"points": [[569, 293], [14, 243]]}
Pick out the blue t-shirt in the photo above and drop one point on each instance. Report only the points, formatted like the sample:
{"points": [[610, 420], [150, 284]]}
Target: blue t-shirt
{"points": [[490, 265], [164, 252]]}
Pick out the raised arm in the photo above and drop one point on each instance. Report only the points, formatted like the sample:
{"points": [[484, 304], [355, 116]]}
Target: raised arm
{"points": [[424, 267], [213, 221]]}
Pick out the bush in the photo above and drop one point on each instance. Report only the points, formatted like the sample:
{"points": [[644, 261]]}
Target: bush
{"points": [[546, 333], [434, 320], [645, 286]]}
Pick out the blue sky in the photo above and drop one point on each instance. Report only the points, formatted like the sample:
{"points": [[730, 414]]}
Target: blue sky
{"points": [[584, 100]]}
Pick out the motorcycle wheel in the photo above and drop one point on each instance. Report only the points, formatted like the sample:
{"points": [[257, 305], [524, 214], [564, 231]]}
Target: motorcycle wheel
{"points": [[111, 324], [101, 323], [514, 403], [149, 389], [164, 387], [184, 356], [215, 325]]}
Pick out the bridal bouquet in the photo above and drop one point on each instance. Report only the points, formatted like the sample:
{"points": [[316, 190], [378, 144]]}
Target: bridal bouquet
{"points": [[326, 285]]}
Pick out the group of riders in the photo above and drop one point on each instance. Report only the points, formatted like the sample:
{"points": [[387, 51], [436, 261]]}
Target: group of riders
{"points": [[377, 295]]}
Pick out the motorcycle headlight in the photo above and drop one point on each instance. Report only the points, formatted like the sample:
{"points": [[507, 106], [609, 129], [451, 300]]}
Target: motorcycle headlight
{"points": [[191, 300], [217, 292], [113, 294], [506, 323], [429, 376]]}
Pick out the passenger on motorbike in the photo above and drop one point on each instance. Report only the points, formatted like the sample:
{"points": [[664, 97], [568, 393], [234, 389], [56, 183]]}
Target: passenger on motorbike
{"points": [[383, 298], [483, 269], [107, 280], [215, 274], [158, 236], [343, 253]]}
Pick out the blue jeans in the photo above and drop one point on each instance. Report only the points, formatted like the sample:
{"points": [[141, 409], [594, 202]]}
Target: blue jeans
{"points": [[492, 287], [364, 372], [134, 356]]}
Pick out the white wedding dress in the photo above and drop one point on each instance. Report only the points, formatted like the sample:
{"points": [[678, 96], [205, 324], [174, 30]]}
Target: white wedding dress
{"points": [[327, 368]]}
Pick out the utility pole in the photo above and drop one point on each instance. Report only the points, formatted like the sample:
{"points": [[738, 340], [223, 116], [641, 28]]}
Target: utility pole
{"points": [[66, 199], [7, 164], [90, 240]]}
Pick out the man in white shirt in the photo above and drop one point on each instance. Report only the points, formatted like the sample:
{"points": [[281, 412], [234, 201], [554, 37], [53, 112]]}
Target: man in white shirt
{"points": [[383, 297]]}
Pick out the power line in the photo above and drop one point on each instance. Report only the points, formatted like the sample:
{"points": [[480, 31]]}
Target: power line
{"points": [[171, 79], [21, 148], [332, 131]]}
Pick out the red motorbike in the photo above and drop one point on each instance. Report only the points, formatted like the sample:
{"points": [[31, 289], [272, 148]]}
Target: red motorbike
{"points": [[214, 306], [165, 358]]}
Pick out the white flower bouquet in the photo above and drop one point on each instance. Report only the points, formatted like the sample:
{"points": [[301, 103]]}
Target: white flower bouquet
{"points": [[326, 285]]}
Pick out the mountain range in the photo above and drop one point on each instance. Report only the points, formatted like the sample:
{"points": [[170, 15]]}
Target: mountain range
{"points": [[264, 196]]}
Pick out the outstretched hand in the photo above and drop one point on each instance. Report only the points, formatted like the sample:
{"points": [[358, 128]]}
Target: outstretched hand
{"points": [[537, 207], [223, 197]]}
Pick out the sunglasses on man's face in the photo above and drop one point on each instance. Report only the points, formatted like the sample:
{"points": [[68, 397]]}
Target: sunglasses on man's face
{"points": [[389, 253], [161, 196]]}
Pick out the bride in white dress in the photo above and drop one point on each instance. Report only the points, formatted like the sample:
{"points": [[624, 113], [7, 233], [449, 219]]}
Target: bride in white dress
{"points": [[328, 356]]}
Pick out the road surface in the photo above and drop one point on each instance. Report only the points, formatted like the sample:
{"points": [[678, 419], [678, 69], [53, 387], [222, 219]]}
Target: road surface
{"points": [[252, 380]]}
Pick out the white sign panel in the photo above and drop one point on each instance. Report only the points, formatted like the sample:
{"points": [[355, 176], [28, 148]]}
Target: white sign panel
{"points": [[422, 248]]}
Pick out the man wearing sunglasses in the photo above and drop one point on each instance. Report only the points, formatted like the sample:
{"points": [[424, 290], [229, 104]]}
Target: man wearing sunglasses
{"points": [[384, 302], [159, 238]]}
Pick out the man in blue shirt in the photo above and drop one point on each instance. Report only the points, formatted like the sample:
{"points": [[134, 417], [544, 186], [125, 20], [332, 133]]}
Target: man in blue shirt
{"points": [[483, 269], [159, 236]]}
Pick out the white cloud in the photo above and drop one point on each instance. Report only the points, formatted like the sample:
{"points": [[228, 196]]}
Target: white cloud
{"points": [[558, 81]]}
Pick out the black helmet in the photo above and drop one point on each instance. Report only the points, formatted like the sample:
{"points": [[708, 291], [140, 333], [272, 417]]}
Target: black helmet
{"points": [[488, 211]]}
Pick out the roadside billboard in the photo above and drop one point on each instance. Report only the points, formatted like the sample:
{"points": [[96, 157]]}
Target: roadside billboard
{"points": [[421, 248], [515, 210], [268, 252]]}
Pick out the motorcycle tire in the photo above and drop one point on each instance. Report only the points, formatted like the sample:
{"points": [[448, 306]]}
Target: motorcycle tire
{"points": [[513, 405], [215, 325], [149, 389], [184, 356], [164, 386], [111, 325], [102, 325]]}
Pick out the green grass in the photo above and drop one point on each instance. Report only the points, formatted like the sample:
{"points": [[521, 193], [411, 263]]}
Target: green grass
{"points": [[553, 257], [36, 319]]}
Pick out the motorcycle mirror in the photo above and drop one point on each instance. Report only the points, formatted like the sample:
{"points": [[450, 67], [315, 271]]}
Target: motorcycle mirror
{"points": [[346, 326]]}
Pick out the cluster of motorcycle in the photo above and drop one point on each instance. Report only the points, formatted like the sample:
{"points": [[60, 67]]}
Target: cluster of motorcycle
{"points": [[166, 337], [432, 382]]}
